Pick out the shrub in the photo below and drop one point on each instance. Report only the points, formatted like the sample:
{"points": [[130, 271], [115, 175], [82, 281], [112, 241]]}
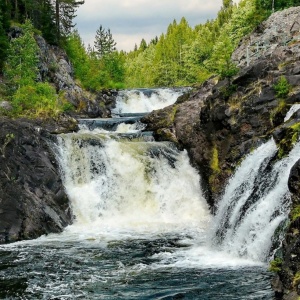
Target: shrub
{"points": [[282, 87], [37, 99]]}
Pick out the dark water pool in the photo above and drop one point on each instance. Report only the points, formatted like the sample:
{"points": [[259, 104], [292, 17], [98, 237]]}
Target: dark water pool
{"points": [[127, 269]]}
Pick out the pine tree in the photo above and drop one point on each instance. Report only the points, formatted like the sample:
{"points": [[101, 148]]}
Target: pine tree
{"points": [[3, 35], [21, 65], [143, 45], [64, 14], [104, 42]]}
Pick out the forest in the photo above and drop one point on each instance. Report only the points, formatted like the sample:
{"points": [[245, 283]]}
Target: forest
{"points": [[183, 56]]}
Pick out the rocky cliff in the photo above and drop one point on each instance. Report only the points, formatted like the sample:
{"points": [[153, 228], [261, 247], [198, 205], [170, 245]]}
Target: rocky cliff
{"points": [[32, 197], [223, 121]]}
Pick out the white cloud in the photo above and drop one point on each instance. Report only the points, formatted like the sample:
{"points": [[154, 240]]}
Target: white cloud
{"points": [[132, 20]]}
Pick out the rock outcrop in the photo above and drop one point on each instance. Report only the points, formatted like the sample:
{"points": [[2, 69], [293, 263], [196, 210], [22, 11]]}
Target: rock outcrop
{"points": [[55, 67], [32, 197]]}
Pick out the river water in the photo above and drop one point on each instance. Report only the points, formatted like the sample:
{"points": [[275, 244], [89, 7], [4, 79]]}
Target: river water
{"points": [[142, 228]]}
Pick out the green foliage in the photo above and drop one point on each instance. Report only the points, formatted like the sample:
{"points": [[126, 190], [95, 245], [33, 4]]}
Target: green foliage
{"points": [[282, 87], [95, 72], [184, 56], [228, 90], [266, 5], [295, 213], [38, 99], [21, 65], [3, 36], [275, 265]]}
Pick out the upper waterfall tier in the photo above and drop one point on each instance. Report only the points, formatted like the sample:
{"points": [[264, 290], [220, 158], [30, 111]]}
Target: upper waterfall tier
{"points": [[146, 100]]}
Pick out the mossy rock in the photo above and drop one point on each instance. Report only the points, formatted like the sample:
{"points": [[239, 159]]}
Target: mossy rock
{"points": [[288, 142]]}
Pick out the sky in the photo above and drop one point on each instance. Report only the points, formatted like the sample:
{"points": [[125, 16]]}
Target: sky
{"points": [[131, 20]]}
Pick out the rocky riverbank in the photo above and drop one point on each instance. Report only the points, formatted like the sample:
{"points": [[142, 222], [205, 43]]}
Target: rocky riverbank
{"points": [[32, 197], [222, 121]]}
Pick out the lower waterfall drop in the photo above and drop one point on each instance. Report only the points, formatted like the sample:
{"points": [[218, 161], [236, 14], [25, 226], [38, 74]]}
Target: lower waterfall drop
{"points": [[117, 184]]}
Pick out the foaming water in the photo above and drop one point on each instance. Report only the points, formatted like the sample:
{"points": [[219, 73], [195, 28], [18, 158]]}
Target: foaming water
{"points": [[136, 101], [130, 186], [255, 203]]}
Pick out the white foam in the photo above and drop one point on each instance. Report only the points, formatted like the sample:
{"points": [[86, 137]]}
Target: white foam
{"points": [[136, 101], [247, 226], [122, 188]]}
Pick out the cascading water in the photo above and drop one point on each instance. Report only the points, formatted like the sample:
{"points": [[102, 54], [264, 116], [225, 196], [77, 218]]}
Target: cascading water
{"points": [[256, 201], [135, 185], [142, 229], [146, 100]]}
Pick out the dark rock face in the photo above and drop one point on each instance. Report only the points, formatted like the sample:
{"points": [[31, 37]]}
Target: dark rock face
{"points": [[32, 198], [213, 121]]}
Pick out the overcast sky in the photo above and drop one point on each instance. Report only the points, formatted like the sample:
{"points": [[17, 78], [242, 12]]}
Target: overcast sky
{"points": [[132, 20]]}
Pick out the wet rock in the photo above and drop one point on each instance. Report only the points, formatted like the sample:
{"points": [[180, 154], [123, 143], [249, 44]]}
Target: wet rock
{"points": [[294, 179], [32, 197]]}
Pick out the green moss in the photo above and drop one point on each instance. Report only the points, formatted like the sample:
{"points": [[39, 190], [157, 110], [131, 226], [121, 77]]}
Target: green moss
{"points": [[214, 163], [296, 127], [291, 137], [168, 119], [296, 279], [295, 213], [275, 265], [215, 169], [8, 138], [279, 110]]}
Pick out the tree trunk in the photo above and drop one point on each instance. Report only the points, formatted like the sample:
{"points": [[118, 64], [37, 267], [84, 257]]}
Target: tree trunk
{"points": [[57, 18]]}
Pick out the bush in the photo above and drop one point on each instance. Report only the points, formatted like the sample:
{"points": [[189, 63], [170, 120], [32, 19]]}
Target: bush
{"points": [[282, 87], [38, 99]]}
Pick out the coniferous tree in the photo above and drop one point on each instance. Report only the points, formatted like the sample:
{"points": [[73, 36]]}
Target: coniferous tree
{"points": [[4, 24], [22, 60], [143, 45], [64, 14], [104, 42]]}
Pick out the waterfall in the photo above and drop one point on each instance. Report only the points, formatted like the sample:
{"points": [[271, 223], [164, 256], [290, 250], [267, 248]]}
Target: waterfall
{"points": [[292, 110], [121, 181], [118, 179], [255, 202], [146, 100], [121, 184]]}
